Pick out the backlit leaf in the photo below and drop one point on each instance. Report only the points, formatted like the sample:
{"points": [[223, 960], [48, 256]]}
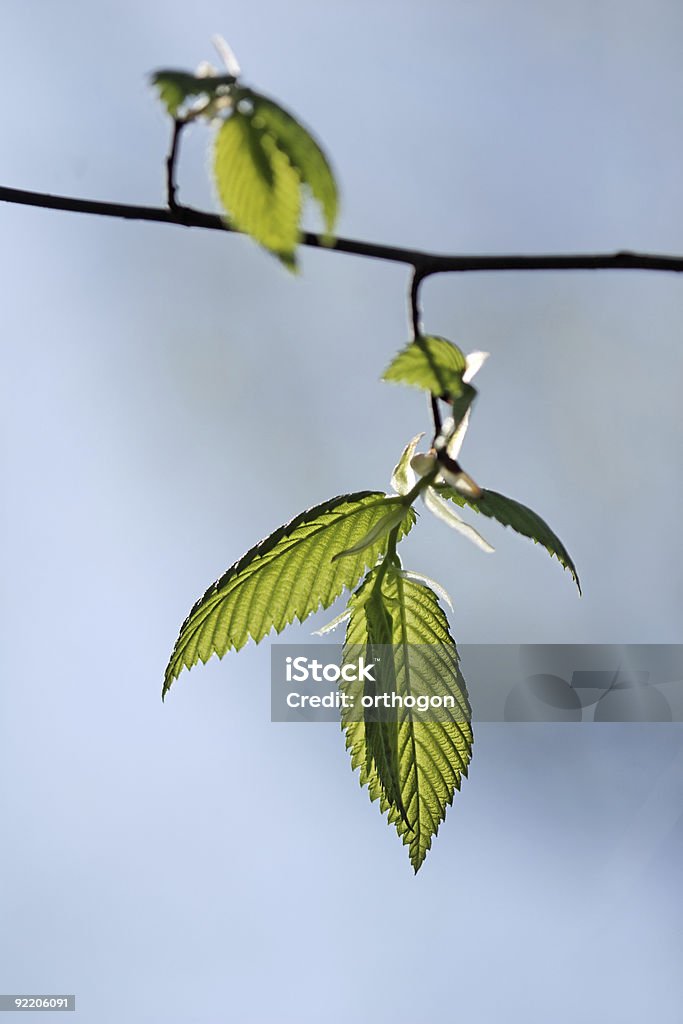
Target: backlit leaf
{"points": [[431, 363], [440, 508], [287, 576], [381, 528], [403, 478], [177, 86], [258, 185], [519, 518], [431, 756], [303, 152]]}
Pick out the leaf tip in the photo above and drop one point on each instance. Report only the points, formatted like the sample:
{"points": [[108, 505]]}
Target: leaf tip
{"points": [[169, 679]]}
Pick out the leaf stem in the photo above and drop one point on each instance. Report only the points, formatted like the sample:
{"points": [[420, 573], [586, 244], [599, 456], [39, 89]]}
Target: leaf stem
{"points": [[389, 557], [171, 160], [419, 274], [414, 298], [419, 487], [391, 544], [436, 416]]}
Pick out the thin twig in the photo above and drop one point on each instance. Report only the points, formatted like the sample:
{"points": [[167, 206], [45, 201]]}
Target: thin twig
{"points": [[428, 263], [171, 160], [417, 279], [414, 299], [436, 417]]}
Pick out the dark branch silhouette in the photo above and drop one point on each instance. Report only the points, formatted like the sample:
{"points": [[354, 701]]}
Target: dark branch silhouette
{"points": [[171, 160], [425, 262]]}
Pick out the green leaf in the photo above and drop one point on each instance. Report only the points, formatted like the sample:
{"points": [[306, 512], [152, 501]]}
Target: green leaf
{"points": [[442, 510], [381, 737], [258, 185], [431, 363], [403, 478], [177, 86], [174, 88], [519, 518], [303, 152], [431, 756], [381, 528], [287, 576], [263, 157]]}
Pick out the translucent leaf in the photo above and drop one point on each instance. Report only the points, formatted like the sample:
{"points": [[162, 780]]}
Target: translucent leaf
{"points": [[519, 518], [403, 478], [258, 186], [303, 153], [454, 428], [431, 756], [226, 54], [175, 87], [380, 530], [457, 436], [330, 626], [423, 463], [419, 577], [381, 737], [431, 363], [438, 507], [474, 361], [287, 576]]}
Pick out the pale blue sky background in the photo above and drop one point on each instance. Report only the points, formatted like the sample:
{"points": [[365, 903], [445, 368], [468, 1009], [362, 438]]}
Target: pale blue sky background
{"points": [[170, 396]]}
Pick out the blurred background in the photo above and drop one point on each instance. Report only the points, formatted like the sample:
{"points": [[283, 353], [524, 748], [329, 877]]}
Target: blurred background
{"points": [[170, 396]]}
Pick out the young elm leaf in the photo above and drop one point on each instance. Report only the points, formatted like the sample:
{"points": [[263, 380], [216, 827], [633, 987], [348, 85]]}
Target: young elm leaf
{"points": [[287, 576]]}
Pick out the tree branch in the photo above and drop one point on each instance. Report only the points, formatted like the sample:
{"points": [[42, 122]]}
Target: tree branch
{"points": [[426, 262]]}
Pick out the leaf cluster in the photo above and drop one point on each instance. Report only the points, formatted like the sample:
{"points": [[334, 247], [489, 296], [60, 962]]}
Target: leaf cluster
{"points": [[348, 544], [265, 164]]}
